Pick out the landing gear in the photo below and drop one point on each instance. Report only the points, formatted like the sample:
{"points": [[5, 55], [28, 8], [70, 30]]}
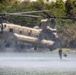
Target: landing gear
{"points": [[22, 46], [51, 49], [7, 45], [35, 47]]}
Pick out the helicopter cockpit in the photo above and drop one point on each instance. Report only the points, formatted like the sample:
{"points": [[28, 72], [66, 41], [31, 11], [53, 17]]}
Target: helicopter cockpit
{"points": [[45, 23]]}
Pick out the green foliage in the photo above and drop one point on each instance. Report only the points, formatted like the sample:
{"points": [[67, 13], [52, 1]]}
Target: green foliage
{"points": [[66, 30], [68, 35], [69, 7], [2, 8], [3, 1], [38, 5], [74, 13], [59, 4]]}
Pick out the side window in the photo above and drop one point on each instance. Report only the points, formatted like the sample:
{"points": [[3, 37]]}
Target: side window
{"points": [[5, 26], [36, 35], [20, 32], [11, 30], [30, 32]]}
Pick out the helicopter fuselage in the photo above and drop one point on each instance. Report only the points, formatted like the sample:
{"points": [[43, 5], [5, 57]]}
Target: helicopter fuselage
{"points": [[38, 37]]}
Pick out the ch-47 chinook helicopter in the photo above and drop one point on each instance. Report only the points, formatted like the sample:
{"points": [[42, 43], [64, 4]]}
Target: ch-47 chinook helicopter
{"points": [[44, 35]]}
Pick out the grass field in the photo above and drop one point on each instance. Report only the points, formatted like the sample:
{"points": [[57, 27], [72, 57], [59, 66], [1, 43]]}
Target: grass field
{"points": [[37, 64], [17, 71]]}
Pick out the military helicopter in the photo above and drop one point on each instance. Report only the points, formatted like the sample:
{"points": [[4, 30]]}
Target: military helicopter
{"points": [[44, 35]]}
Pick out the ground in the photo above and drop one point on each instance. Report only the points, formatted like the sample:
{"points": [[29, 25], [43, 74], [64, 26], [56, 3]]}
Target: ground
{"points": [[37, 63]]}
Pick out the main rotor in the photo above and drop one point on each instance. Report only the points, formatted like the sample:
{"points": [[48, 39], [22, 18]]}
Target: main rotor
{"points": [[29, 14]]}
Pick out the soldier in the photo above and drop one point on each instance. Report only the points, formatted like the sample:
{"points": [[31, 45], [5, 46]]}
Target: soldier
{"points": [[60, 53]]}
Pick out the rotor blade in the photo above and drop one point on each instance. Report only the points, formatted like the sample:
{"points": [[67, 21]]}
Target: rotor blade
{"points": [[68, 17], [31, 16], [48, 15], [33, 11], [26, 13], [29, 12], [12, 14], [18, 14], [63, 17]]}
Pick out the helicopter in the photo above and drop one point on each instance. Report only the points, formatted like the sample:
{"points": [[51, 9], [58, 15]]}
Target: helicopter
{"points": [[44, 35]]}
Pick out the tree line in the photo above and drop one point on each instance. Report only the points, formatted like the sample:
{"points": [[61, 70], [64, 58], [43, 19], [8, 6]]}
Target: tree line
{"points": [[66, 27]]}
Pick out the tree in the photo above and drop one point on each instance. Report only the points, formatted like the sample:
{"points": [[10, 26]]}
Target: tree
{"points": [[2, 8], [68, 35], [68, 7], [59, 4], [38, 5]]}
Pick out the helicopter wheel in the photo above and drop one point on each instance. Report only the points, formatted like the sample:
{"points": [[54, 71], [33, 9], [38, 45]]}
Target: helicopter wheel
{"points": [[35, 47], [7, 45]]}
